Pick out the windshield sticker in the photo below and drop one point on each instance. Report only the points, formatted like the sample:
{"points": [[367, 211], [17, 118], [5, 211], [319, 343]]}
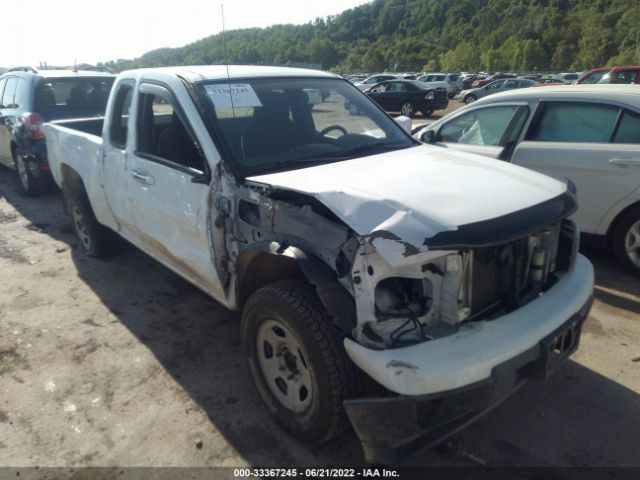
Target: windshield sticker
{"points": [[242, 94]]}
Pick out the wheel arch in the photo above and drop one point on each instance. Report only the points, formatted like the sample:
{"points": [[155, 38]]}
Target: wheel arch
{"points": [[266, 263], [70, 179]]}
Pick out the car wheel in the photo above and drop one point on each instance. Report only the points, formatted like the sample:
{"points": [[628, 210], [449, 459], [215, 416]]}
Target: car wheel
{"points": [[469, 99], [297, 360], [93, 239], [626, 240], [406, 109], [30, 186], [428, 112]]}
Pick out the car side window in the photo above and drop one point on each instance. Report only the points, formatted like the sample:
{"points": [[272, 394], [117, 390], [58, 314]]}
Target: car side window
{"points": [[120, 116], [629, 128], [574, 122], [397, 87], [21, 97], [9, 93], [495, 85], [163, 134], [626, 76], [485, 126], [512, 84]]}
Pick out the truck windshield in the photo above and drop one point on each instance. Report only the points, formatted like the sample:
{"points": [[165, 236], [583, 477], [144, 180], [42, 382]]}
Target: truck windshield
{"points": [[285, 123], [59, 98]]}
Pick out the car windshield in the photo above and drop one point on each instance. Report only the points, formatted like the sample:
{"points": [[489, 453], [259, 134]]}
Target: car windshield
{"points": [[59, 98], [285, 123], [597, 77]]}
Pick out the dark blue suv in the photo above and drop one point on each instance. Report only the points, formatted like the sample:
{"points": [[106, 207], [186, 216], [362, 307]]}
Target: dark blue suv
{"points": [[28, 98]]}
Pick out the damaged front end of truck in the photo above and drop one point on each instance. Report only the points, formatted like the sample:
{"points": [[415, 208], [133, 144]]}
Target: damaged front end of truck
{"points": [[443, 317]]}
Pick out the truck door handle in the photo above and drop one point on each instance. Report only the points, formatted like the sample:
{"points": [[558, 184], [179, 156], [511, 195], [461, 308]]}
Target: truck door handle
{"points": [[142, 177], [625, 162]]}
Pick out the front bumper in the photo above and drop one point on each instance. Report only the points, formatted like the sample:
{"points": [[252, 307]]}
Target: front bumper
{"points": [[391, 428], [446, 384]]}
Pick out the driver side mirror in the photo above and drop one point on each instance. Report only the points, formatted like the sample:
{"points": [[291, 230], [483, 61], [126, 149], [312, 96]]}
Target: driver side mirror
{"points": [[404, 122], [428, 137]]}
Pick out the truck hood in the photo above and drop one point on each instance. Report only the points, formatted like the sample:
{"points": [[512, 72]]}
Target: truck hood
{"points": [[430, 198]]}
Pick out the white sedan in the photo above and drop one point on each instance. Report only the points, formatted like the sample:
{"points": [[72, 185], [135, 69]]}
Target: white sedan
{"points": [[587, 133]]}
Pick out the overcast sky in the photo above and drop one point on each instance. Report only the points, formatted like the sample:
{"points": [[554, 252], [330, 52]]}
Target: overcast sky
{"points": [[58, 31]]}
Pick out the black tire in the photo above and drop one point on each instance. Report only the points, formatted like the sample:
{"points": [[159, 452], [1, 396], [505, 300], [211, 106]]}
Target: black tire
{"points": [[627, 229], [31, 186], [94, 239], [295, 305], [406, 109], [470, 99], [427, 113]]}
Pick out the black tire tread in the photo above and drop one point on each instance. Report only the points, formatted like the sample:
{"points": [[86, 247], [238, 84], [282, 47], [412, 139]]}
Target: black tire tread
{"points": [[618, 239], [104, 241]]}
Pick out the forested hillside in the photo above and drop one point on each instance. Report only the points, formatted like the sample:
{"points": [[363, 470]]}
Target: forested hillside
{"points": [[452, 35]]}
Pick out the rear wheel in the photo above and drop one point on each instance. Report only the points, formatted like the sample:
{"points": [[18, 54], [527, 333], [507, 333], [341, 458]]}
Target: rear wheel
{"points": [[406, 109], [297, 360], [626, 240], [469, 99], [93, 239], [30, 185]]}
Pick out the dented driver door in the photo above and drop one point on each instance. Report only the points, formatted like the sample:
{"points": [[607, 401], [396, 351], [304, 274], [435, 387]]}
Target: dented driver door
{"points": [[169, 189]]}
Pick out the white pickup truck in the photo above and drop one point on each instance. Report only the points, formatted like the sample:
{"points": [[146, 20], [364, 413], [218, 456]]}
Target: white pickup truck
{"points": [[399, 286]]}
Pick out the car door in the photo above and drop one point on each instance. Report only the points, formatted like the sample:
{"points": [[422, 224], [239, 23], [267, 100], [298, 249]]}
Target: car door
{"points": [[486, 130], [380, 94], [116, 160], [7, 119], [169, 188], [596, 145], [395, 94]]}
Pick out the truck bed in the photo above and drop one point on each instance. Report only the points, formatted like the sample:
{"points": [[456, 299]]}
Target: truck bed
{"points": [[76, 143]]}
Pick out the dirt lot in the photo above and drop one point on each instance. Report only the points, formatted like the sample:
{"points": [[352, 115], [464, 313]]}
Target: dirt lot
{"points": [[121, 362]]}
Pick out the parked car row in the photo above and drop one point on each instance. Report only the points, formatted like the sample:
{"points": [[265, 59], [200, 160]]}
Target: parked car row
{"points": [[587, 133], [384, 283]]}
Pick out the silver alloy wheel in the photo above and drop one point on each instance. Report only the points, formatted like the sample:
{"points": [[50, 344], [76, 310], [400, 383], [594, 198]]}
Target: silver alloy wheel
{"points": [[632, 243], [406, 109], [284, 366], [80, 227], [469, 99], [23, 173]]}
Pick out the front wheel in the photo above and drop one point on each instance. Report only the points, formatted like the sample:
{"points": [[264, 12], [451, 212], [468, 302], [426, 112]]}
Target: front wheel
{"points": [[626, 240], [406, 109], [469, 99], [297, 360]]}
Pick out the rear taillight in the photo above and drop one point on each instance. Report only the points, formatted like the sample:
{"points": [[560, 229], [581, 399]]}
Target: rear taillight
{"points": [[429, 96], [33, 123]]}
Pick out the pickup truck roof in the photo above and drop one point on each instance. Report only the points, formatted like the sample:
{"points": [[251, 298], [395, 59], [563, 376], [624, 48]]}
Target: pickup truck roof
{"points": [[222, 72]]}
